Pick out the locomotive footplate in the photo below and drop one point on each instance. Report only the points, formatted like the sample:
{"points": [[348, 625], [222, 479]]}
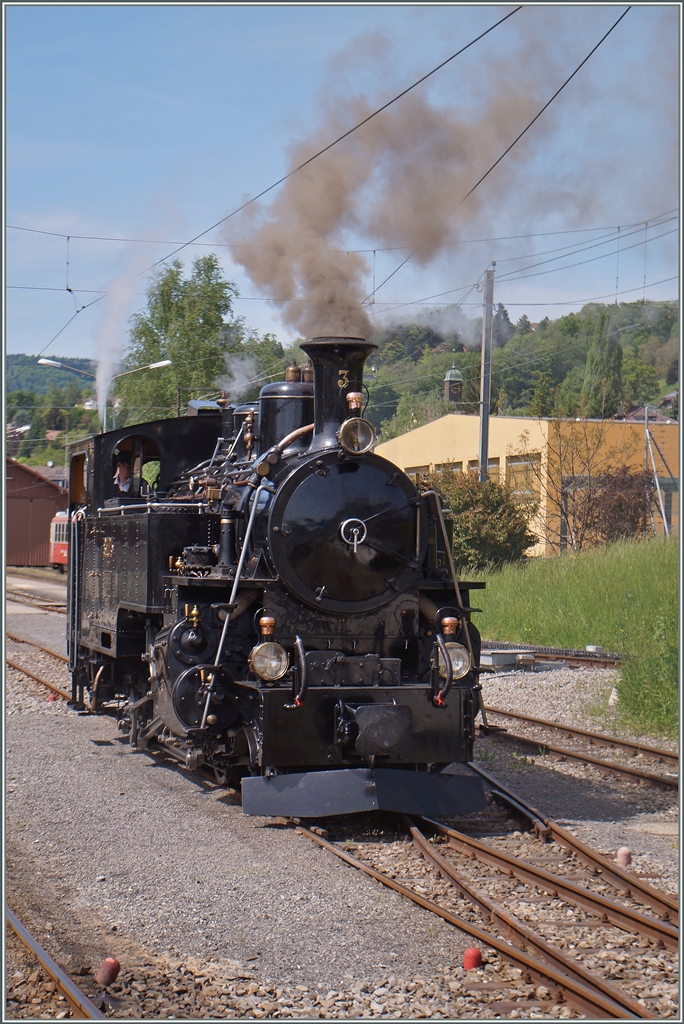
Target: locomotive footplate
{"points": [[350, 790]]}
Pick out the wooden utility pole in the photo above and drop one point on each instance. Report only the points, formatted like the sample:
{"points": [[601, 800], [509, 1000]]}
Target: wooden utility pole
{"points": [[486, 373]]}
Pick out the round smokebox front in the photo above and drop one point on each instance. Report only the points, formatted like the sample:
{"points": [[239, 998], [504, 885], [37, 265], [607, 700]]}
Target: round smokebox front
{"points": [[347, 535]]}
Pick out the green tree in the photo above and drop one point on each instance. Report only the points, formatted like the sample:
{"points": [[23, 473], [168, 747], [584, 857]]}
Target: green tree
{"points": [[502, 328], [523, 325], [544, 395], [640, 382], [602, 389], [191, 322], [570, 392], [490, 527]]}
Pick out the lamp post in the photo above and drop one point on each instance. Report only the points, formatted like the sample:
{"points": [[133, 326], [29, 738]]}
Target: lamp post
{"points": [[117, 376]]}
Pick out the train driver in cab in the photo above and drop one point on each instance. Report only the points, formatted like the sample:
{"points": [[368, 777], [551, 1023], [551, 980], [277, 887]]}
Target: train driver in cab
{"points": [[122, 476]]}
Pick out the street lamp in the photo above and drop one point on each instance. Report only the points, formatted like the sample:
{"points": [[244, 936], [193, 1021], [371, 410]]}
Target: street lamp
{"points": [[117, 376], [63, 366]]}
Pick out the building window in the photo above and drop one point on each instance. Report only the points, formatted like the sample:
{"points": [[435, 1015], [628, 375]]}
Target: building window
{"points": [[448, 467], [522, 476], [416, 472], [492, 469]]}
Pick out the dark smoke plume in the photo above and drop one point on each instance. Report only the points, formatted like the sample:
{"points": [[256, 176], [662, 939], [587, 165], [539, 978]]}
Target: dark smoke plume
{"points": [[399, 180]]}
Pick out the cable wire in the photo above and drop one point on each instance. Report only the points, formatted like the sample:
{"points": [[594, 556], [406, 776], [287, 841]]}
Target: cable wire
{"points": [[330, 145], [376, 248], [509, 148]]}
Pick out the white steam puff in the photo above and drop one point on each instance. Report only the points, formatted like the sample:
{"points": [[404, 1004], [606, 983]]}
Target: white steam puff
{"points": [[111, 333], [241, 372]]}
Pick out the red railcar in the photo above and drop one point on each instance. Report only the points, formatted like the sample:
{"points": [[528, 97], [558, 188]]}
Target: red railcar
{"points": [[59, 541]]}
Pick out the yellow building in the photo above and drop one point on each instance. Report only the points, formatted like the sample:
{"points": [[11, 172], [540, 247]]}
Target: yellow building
{"points": [[540, 458]]}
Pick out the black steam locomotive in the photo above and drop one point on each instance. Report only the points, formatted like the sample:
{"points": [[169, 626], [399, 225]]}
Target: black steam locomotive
{"points": [[255, 591]]}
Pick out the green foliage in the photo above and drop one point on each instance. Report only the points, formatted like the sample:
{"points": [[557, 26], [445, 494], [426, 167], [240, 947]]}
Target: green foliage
{"points": [[672, 375], [502, 328], [602, 388], [191, 322], [412, 359], [544, 396], [570, 392], [622, 596], [57, 410], [648, 692], [489, 527], [640, 382]]}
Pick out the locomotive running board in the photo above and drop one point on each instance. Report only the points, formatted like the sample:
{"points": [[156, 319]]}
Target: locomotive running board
{"points": [[349, 790]]}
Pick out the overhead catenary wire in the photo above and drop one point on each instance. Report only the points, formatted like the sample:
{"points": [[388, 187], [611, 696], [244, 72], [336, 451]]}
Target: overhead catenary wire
{"points": [[310, 159], [335, 142], [510, 275], [570, 250], [375, 248], [510, 147]]}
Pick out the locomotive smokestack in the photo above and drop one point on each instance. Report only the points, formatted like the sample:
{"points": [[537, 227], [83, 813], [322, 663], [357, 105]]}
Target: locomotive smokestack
{"points": [[338, 369]]}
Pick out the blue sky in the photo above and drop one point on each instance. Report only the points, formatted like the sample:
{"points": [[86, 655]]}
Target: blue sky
{"points": [[152, 122]]}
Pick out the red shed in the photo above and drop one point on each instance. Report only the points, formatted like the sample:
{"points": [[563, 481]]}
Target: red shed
{"points": [[31, 503]]}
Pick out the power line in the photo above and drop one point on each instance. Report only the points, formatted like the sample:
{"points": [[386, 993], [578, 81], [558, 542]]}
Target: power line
{"points": [[509, 277], [586, 248], [54, 338], [335, 142], [572, 249], [565, 302], [311, 158], [376, 248], [509, 148]]}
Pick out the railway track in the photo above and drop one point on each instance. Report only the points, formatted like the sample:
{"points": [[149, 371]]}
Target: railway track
{"points": [[81, 1006], [520, 895], [544, 747], [21, 597], [32, 675], [595, 738], [32, 643], [664, 904], [605, 659]]}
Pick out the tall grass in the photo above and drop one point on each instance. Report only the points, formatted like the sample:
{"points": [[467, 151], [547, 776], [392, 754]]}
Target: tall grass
{"points": [[623, 596]]}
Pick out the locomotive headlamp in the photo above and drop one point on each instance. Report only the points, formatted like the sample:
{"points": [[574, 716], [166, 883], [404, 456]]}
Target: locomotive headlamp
{"points": [[460, 661], [269, 661], [357, 436]]}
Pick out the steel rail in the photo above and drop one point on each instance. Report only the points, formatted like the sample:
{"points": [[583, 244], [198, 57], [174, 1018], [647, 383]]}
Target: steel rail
{"points": [[81, 1006], [50, 686], [664, 903], [586, 999], [21, 597], [32, 643], [589, 657], [616, 913], [596, 737], [633, 774], [600, 661], [520, 934]]}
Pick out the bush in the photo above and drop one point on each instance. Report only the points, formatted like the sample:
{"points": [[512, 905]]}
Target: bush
{"points": [[622, 596], [490, 527]]}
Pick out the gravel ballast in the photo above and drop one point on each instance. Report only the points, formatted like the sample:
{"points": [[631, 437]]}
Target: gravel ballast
{"points": [[605, 811], [129, 855]]}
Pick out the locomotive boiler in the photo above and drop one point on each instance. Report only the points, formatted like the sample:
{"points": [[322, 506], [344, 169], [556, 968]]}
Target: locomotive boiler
{"points": [[253, 590]]}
